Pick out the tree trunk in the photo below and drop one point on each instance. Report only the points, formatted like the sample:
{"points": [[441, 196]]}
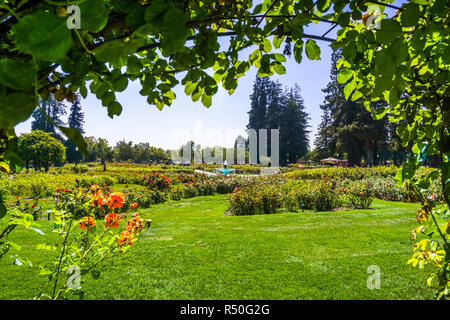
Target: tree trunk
{"points": [[375, 153]]}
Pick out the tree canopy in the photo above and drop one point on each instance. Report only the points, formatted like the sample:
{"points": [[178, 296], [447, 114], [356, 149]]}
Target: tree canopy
{"points": [[402, 59], [42, 149]]}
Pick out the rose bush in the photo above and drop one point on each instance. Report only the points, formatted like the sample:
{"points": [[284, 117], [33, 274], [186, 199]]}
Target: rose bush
{"points": [[85, 244]]}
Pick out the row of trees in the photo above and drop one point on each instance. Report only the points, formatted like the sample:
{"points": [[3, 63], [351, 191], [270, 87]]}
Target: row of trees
{"points": [[348, 130], [99, 149], [43, 148], [275, 108], [43, 127]]}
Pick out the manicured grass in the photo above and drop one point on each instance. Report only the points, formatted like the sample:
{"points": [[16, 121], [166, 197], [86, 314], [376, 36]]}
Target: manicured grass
{"points": [[193, 252]]}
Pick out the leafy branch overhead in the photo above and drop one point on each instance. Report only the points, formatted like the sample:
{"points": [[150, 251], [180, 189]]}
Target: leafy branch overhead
{"points": [[126, 40], [151, 41]]}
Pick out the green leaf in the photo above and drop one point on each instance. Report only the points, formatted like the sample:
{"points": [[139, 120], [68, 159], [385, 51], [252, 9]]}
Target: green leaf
{"points": [[410, 16], [345, 75], [177, 31], [312, 50], [298, 50], [277, 41], [349, 87], [114, 109], [14, 161], [16, 107], [108, 98], [115, 52], [206, 100], [344, 19], [154, 13], [43, 35], [279, 68], [134, 65], [94, 15], [389, 30], [379, 113], [17, 74], [75, 136], [323, 5], [83, 91], [120, 84], [357, 95], [267, 46]]}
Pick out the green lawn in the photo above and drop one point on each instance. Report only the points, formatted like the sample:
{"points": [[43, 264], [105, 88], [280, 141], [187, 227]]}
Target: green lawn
{"points": [[193, 252]]}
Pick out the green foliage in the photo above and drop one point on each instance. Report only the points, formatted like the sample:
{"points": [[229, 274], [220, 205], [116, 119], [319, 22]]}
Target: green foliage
{"points": [[43, 35], [83, 244], [359, 194], [405, 64], [42, 149]]}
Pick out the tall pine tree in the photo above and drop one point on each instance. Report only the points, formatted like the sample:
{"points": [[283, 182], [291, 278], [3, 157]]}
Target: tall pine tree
{"points": [[271, 108], [347, 129], [75, 121], [55, 110], [258, 107], [293, 124]]}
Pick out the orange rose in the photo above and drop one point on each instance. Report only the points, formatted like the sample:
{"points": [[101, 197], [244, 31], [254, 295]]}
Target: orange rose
{"points": [[125, 238], [86, 223], [134, 205], [116, 200], [112, 220], [135, 224], [99, 201]]}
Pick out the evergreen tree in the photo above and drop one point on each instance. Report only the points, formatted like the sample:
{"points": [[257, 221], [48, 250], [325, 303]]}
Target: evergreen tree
{"points": [[293, 123], [54, 110], [347, 129], [275, 105], [258, 107], [76, 121]]}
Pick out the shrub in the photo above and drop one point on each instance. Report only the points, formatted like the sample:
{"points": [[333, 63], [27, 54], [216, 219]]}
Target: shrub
{"points": [[189, 191], [80, 168], [176, 193], [32, 208], [359, 194], [157, 181], [325, 197], [141, 196]]}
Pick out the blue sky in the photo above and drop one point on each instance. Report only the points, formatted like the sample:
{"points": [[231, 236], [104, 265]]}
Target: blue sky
{"points": [[186, 120]]}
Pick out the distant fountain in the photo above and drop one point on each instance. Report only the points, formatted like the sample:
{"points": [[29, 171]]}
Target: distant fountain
{"points": [[224, 170]]}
